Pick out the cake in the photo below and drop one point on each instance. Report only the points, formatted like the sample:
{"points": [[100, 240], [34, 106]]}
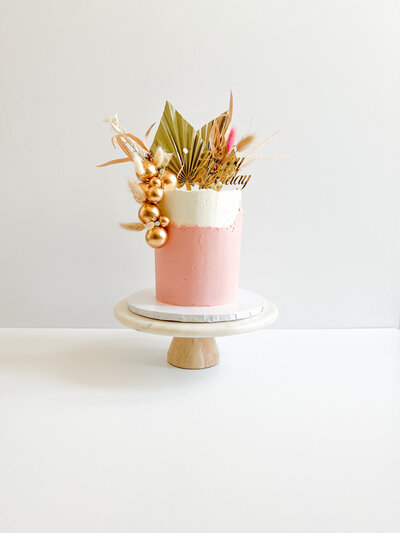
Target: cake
{"points": [[189, 184], [199, 266]]}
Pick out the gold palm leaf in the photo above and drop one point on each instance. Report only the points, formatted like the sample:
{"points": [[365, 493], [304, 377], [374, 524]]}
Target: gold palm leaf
{"points": [[176, 136]]}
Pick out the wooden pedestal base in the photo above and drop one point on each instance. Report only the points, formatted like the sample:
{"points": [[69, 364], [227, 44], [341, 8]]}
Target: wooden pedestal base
{"points": [[193, 353]]}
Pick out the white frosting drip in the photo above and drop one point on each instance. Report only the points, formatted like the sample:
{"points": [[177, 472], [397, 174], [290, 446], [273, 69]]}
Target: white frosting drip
{"points": [[201, 207]]}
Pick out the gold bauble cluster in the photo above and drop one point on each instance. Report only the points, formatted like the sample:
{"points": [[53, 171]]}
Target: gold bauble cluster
{"points": [[154, 182]]}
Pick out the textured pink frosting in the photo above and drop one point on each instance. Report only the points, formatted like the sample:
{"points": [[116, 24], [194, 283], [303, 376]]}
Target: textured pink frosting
{"points": [[199, 266]]}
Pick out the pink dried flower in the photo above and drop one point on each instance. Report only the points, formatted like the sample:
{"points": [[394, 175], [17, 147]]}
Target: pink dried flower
{"points": [[231, 140]]}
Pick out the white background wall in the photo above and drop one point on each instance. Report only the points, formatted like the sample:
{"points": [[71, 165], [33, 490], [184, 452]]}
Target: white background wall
{"points": [[326, 73]]}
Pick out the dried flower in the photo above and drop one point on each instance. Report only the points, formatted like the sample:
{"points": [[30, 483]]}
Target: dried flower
{"points": [[245, 142], [138, 193], [167, 158], [138, 165], [114, 122], [132, 226], [159, 157], [231, 140]]}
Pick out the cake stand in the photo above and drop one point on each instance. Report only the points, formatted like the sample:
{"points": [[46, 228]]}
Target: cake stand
{"points": [[193, 345]]}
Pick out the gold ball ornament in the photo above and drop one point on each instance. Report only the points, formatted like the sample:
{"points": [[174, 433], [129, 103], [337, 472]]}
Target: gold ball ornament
{"points": [[155, 182], [164, 221], [155, 194], [169, 180], [150, 170], [156, 237], [147, 212]]}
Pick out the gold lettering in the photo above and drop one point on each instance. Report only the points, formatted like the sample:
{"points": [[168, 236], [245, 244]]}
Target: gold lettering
{"points": [[242, 180]]}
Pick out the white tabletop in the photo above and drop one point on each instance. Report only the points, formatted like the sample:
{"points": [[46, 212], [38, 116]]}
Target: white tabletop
{"points": [[297, 431]]}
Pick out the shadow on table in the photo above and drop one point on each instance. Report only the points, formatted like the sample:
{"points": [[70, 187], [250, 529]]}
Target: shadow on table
{"points": [[110, 361]]}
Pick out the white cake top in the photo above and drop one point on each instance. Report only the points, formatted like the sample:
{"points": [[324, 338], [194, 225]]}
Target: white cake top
{"points": [[202, 207]]}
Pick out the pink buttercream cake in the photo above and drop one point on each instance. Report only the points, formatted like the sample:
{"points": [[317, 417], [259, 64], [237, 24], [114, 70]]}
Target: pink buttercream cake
{"points": [[199, 265]]}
